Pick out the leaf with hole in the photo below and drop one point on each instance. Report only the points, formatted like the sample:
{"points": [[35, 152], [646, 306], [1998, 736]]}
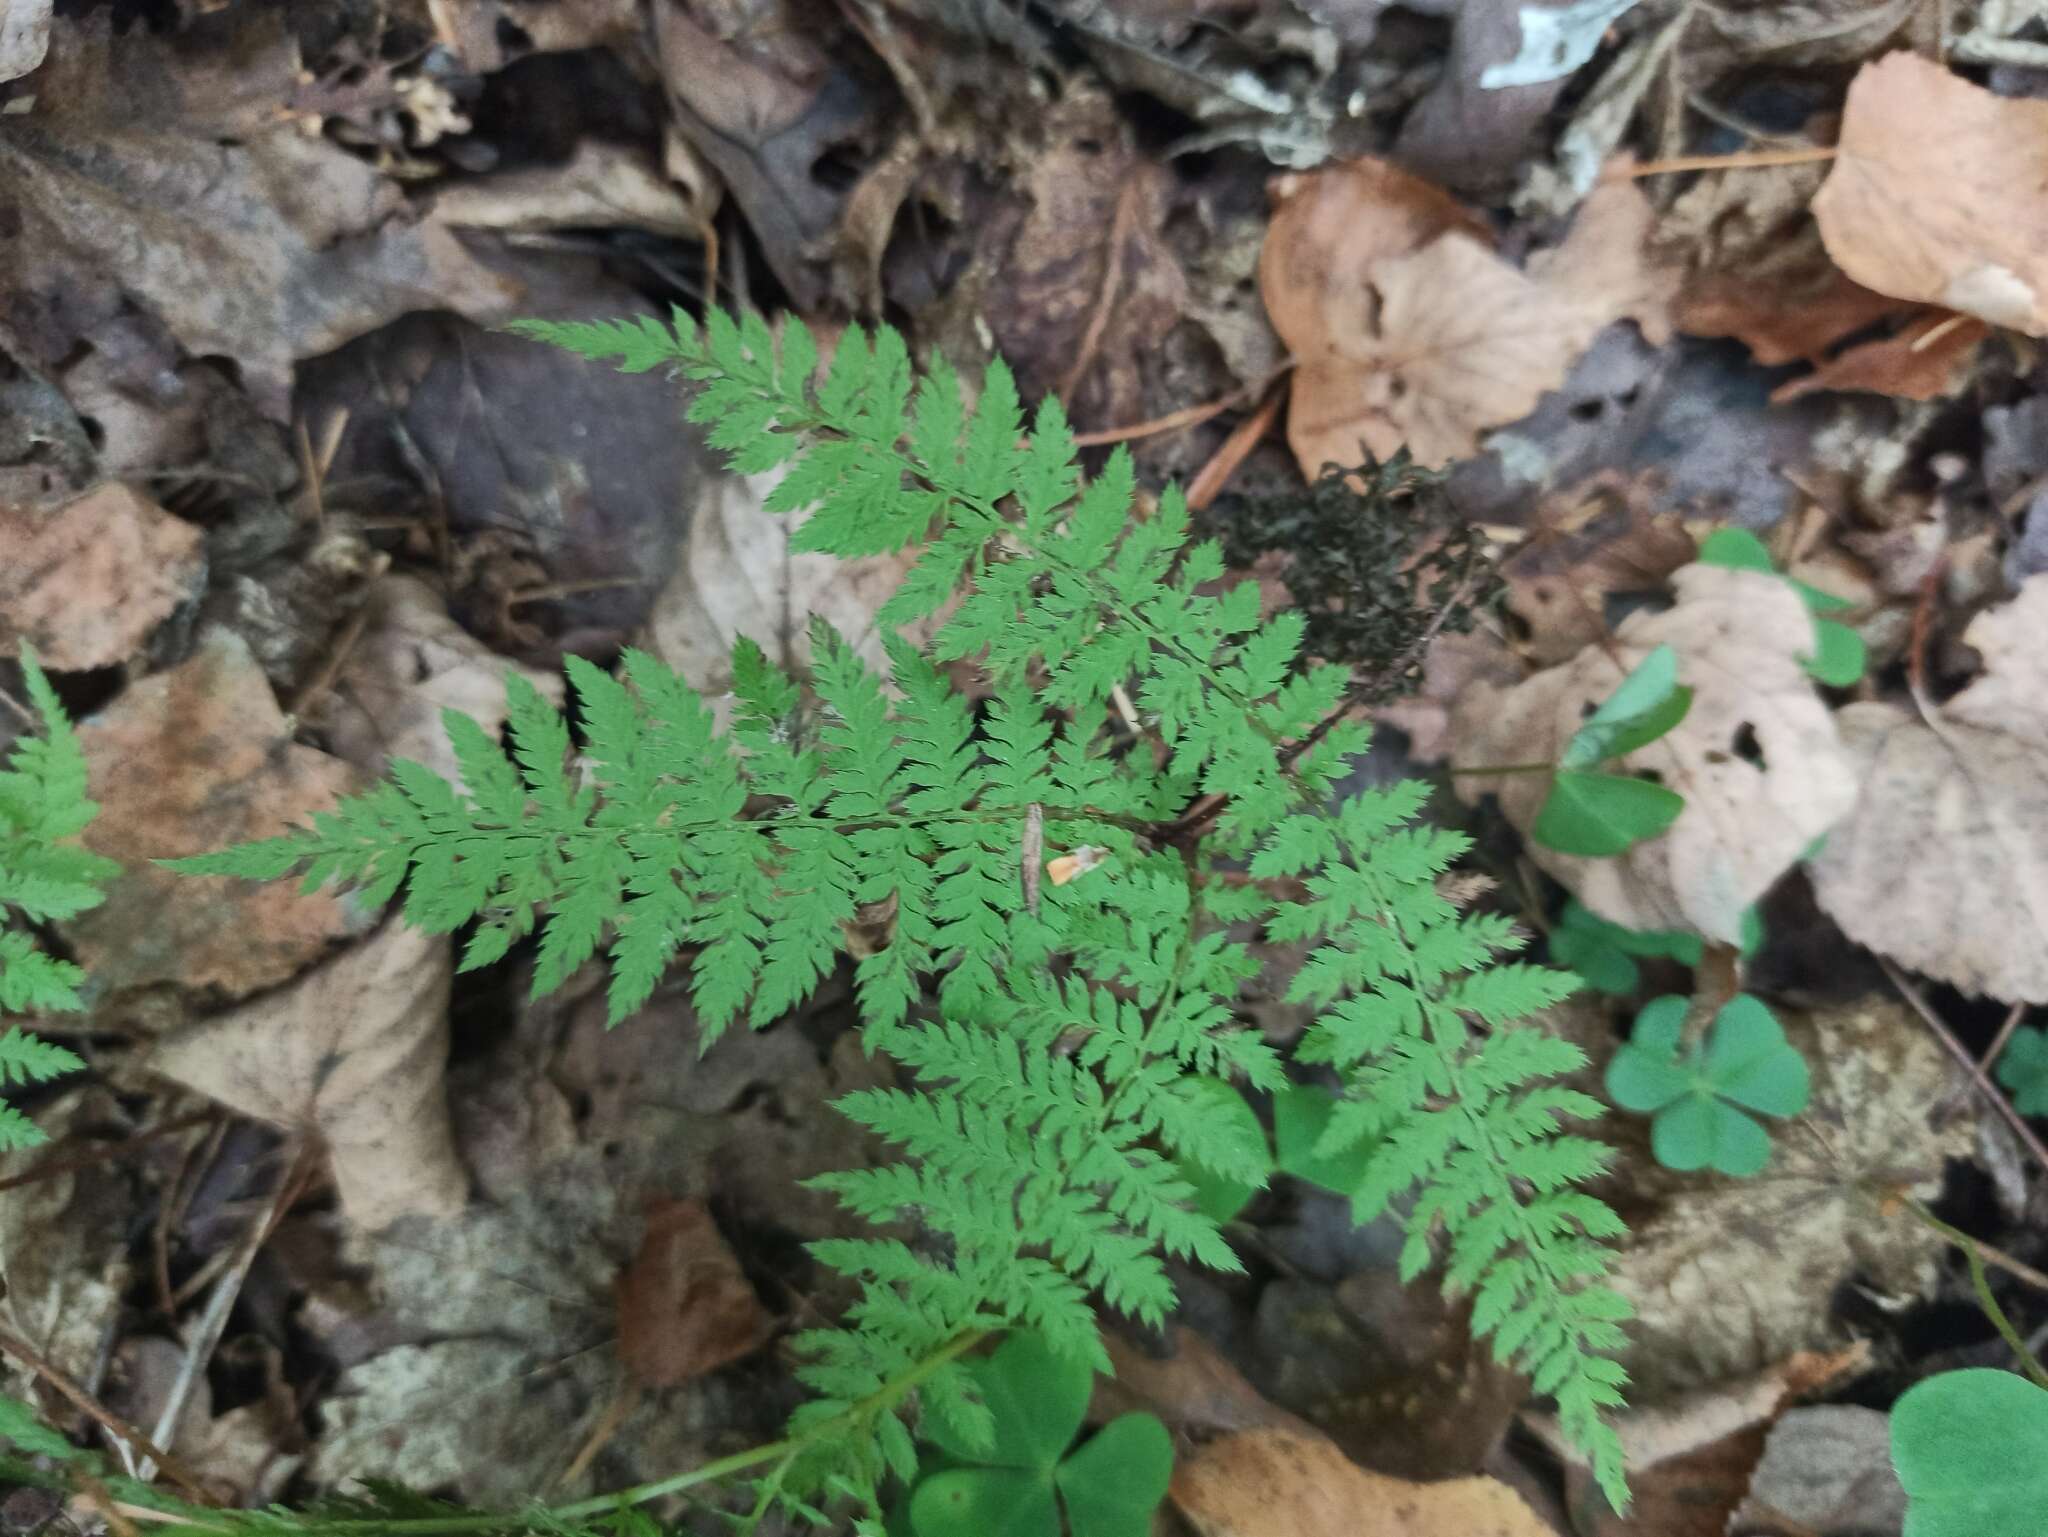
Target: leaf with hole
{"points": [[1971, 1450], [1698, 1103]]}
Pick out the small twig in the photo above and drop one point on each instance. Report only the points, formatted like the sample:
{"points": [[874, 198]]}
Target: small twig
{"points": [[1992, 1052], [111, 1152], [1976, 1253], [1105, 297], [1742, 160], [1235, 449], [104, 1417], [214, 1320], [1968, 1063], [1187, 416], [316, 687]]}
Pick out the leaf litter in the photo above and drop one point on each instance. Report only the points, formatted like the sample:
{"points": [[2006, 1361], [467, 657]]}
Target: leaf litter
{"points": [[271, 498]]}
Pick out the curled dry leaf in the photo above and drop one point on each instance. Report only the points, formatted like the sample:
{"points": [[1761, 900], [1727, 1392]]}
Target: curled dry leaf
{"points": [[186, 762], [685, 1307], [1280, 1482], [1939, 193], [86, 584], [1410, 330], [1943, 862], [413, 662], [1756, 758], [353, 1053]]}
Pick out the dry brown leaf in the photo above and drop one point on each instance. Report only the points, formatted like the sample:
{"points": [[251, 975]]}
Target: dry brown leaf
{"points": [[413, 662], [1924, 360], [1939, 193], [600, 186], [1283, 1483], [1428, 347], [1943, 862], [353, 1053], [86, 584], [685, 1307], [738, 576], [1756, 758], [186, 762]]}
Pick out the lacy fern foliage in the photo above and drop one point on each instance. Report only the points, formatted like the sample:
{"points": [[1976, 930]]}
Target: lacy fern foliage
{"points": [[1063, 960], [44, 876]]}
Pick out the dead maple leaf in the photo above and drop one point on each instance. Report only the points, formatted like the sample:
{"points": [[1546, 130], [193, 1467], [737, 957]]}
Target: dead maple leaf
{"points": [[1937, 193], [186, 762], [1277, 1482], [1756, 759], [685, 1307], [1943, 862], [353, 1053], [1408, 328], [413, 662], [86, 583]]}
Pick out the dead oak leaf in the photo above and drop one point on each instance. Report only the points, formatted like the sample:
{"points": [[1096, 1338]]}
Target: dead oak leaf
{"points": [[186, 762], [1431, 346], [352, 1052], [86, 584], [1937, 193], [1756, 758], [1280, 1482], [1943, 862]]}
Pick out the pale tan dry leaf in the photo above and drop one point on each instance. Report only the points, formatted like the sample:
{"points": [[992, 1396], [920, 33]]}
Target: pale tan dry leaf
{"points": [[1939, 193], [86, 584], [411, 663], [24, 36], [738, 576], [1943, 862], [1429, 347], [186, 762], [1274, 1482], [600, 186], [1756, 759], [684, 1305], [352, 1052]]}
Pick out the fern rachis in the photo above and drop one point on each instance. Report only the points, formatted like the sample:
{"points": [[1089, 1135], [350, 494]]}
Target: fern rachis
{"points": [[1058, 1036]]}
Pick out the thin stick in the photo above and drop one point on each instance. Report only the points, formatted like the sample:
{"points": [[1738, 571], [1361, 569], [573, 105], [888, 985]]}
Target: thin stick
{"points": [[1743, 160], [104, 1417], [111, 1152], [1973, 1251], [214, 1320], [1105, 298], [2013, 1017], [1967, 1062], [1187, 416], [1236, 448]]}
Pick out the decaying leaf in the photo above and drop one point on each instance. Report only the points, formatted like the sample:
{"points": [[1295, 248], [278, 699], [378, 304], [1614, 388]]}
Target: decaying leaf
{"points": [[685, 1306], [1730, 1276], [1756, 759], [738, 576], [1936, 193], [600, 186], [1410, 330], [185, 762], [411, 663], [1943, 862], [24, 36], [86, 584], [352, 1053], [1277, 1482]]}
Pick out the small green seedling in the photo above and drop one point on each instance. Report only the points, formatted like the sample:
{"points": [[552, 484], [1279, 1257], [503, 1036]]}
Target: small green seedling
{"points": [[1109, 1485], [1838, 654], [1595, 814], [1605, 954], [1745, 1062], [1971, 1450], [2024, 1070]]}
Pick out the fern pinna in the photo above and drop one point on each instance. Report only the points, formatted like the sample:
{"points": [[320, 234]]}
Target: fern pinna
{"points": [[1061, 1037], [44, 876]]}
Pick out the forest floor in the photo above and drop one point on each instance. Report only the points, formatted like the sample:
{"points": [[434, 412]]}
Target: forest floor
{"points": [[1615, 278]]}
